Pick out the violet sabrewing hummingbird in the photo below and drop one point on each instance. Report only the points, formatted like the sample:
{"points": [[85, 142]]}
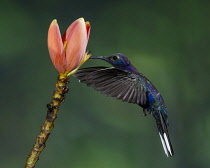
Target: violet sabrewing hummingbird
{"points": [[124, 82]]}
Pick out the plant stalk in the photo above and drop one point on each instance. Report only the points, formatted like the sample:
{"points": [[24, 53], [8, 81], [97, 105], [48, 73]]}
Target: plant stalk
{"points": [[53, 107]]}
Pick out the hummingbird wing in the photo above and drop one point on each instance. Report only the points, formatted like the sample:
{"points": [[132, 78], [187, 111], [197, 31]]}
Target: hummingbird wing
{"points": [[128, 87], [113, 82]]}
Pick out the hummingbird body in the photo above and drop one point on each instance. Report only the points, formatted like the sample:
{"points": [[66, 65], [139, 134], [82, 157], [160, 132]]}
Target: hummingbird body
{"points": [[124, 82]]}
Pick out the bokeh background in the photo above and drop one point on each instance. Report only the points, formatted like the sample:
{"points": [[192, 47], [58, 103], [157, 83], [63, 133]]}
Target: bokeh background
{"points": [[168, 41]]}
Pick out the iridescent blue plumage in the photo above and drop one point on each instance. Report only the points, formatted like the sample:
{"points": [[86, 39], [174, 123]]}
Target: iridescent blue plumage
{"points": [[125, 83]]}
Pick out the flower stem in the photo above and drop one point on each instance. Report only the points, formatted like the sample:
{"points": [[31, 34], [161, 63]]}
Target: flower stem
{"points": [[53, 107]]}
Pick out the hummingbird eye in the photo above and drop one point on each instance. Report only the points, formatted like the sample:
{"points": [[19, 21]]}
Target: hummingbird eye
{"points": [[114, 58]]}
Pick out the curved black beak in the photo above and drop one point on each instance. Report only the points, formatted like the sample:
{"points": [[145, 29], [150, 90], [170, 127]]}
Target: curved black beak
{"points": [[98, 57]]}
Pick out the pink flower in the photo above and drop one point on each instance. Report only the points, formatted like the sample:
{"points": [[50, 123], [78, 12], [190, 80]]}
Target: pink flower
{"points": [[68, 53]]}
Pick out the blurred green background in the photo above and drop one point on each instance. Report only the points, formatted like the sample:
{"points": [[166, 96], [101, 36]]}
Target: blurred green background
{"points": [[168, 41]]}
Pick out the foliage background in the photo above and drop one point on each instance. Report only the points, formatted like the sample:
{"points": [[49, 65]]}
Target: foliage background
{"points": [[168, 41]]}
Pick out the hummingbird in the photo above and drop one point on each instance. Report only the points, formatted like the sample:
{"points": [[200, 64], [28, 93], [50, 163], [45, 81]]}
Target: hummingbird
{"points": [[124, 82]]}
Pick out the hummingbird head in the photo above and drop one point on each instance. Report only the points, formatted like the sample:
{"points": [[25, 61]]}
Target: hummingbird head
{"points": [[118, 60]]}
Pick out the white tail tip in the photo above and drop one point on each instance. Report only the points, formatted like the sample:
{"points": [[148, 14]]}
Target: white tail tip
{"points": [[166, 145]]}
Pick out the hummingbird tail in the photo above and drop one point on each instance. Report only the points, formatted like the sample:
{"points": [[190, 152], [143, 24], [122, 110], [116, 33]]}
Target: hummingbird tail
{"points": [[164, 136]]}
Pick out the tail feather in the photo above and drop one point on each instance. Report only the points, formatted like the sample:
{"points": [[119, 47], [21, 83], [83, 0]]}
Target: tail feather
{"points": [[164, 135]]}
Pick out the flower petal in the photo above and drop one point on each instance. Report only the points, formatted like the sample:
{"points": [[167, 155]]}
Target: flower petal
{"points": [[88, 29], [55, 47], [77, 39], [86, 56]]}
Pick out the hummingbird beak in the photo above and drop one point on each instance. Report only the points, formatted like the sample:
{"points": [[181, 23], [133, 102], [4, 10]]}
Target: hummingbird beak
{"points": [[97, 57]]}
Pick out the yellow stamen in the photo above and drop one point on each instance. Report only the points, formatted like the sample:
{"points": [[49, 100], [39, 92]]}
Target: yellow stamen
{"points": [[64, 45]]}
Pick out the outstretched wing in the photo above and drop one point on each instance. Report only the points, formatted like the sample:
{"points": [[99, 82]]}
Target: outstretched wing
{"points": [[115, 83]]}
